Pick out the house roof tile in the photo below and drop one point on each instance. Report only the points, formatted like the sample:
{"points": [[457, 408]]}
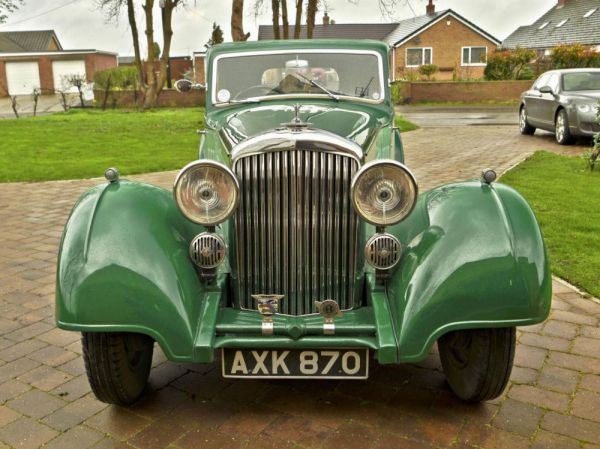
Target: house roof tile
{"points": [[27, 41], [576, 30]]}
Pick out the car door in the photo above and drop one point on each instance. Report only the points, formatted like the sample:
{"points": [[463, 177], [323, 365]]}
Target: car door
{"points": [[533, 100], [548, 102]]}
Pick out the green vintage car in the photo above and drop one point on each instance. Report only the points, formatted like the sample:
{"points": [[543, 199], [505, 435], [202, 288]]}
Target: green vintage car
{"points": [[298, 245]]}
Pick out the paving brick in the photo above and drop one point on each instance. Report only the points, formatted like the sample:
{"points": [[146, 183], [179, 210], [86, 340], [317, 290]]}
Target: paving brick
{"points": [[26, 433], [577, 318], [29, 331], [560, 328], [74, 367], [117, 422], [159, 434], [7, 415], [16, 368], [35, 403], [73, 389], [518, 417], [488, 437], [206, 439], [572, 426], [521, 375], [74, 413], [537, 396], [45, 378], [558, 379], [530, 357], [298, 430], [587, 405], [59, 337], [545, 341], [352, 435], [52, 355], [549, 440], [590, 382], [592, 332], [586, 346], [249, 422], [11, 389], [571, 361], [79, 437]]}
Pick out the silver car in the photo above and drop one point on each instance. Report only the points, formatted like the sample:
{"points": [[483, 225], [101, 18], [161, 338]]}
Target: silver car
{"points": [[564, 102]]}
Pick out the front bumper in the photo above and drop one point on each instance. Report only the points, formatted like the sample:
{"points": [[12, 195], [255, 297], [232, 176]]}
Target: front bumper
{"points": [[586, 124]]}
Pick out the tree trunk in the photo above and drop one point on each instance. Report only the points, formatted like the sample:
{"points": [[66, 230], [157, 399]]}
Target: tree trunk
{"points": [[275, 8], [167, 39], [237, 21], [136, 44], [311, 13], [151, 81], [284, 18], [298, 24]]}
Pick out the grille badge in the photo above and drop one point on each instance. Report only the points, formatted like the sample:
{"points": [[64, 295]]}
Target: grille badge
{"points": [[267, 305], [330, 310]]}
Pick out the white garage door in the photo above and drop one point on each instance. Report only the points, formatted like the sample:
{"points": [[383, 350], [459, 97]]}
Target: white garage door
{"points": [[63, 70], [22, 77]]}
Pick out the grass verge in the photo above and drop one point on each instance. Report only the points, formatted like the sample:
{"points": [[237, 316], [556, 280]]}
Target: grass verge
{"points": [[82, 144], [404, 125], [565, 196]]}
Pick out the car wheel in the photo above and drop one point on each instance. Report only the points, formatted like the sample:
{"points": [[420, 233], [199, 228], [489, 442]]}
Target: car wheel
{"points": [[561, 128], [477, 362], [117, 365], [524, 126]]}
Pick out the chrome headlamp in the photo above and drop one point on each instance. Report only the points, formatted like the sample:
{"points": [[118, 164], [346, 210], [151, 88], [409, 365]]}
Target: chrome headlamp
{"points": [[206, 192], [384, 192]]}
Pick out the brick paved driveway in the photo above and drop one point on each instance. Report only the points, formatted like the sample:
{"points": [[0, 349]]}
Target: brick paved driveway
{"points": [[552, 401]]}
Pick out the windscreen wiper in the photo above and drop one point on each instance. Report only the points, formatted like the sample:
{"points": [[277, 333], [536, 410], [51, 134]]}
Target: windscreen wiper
{"points": [[318, 86]]}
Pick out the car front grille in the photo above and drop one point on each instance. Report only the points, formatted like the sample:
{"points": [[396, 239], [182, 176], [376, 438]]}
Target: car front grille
{"points": [[296, 229]]}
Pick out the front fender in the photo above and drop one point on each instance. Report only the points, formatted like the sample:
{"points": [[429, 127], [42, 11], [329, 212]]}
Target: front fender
{"points": [[123, 265], [475, 258]]}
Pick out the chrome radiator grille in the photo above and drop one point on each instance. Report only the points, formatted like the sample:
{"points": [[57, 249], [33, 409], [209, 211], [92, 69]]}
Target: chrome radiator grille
{"points": [[296, 229]]}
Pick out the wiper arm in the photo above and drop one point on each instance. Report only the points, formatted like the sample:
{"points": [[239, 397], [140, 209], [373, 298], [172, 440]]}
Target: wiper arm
{"points": [[318, 85]]}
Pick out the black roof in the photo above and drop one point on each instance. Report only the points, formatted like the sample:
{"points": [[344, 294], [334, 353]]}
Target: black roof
{"points": [[577, 29], [27, 41]]}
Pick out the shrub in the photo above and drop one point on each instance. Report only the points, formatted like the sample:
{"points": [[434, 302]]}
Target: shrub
{"points": [[428, 70], [119, 78], [595, 153], [510, 65], [574, 56]]}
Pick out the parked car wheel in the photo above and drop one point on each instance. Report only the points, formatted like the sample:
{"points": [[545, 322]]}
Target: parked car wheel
{"points": [[117, 365], [477, 362], [561, 128], [524, 126]]}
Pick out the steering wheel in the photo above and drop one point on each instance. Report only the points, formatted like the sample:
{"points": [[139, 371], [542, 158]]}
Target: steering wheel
{"points": [[263, 88]]}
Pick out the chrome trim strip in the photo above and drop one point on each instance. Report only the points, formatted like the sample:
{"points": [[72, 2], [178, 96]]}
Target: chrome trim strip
{"points": [[298, 51]]}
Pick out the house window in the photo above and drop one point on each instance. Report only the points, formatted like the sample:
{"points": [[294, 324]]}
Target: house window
{"points": [[476, 56], [418, 56], [590, 12], [561, 23]]}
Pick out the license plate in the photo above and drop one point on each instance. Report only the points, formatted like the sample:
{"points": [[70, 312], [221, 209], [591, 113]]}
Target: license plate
{"points": [[296, 363]]}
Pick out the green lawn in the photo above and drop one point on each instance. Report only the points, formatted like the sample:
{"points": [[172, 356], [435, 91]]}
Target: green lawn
{"points": [[404, 125], [565, 196], [82, 144]]}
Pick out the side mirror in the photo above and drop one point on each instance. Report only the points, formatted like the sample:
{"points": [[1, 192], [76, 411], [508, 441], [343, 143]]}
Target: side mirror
{"points": [[546, 90], [183, 86]]}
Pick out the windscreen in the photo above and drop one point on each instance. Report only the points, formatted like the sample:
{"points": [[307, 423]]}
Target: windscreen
{"points": [[256, 76], [581, 81]]}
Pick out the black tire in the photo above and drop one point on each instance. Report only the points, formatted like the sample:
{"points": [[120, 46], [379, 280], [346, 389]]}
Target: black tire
{"points": [[562, 132], [477, 362], [524, 125], [117, 365]]}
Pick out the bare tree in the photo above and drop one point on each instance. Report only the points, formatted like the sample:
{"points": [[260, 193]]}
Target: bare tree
{"points": [[151, 82], [311, 14], [275, 8], [78, 81], [284, 19], [35, 96], [13, 103], [237, 21], [298, 23], [8, 6]]}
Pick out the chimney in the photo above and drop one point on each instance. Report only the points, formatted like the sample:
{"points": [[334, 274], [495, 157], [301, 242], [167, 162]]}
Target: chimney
{"points": [[561, 3], [431, 8], [326, 19]]}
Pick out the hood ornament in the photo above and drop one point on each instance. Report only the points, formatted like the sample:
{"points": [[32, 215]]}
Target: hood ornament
{"points": [[296, 124], [330, 310]]}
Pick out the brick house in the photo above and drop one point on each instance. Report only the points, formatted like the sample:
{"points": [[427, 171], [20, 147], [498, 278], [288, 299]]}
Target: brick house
{"points": [[567, 22], [446, 39], [36, 59], [200, 67]]}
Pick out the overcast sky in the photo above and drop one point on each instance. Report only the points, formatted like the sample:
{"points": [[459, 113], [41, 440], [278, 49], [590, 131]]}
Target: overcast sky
{"points": [[79, 24]]}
